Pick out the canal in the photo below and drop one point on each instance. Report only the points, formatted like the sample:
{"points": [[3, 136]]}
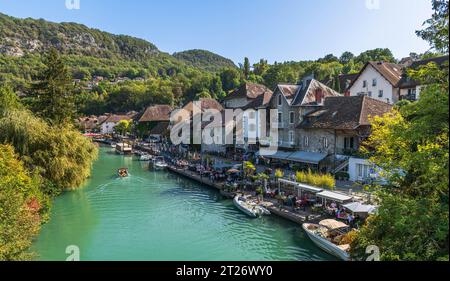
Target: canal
{"points": [[158, 216]]}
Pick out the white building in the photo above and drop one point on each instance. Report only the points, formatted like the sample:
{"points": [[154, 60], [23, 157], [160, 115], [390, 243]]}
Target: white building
{"points": [[107, 127], [378, 80], [389, 82]]}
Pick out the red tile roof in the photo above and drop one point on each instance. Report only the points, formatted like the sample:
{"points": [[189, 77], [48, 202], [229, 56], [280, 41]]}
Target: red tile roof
{"points": [[156, 113], [248, 90], [345, 113]]}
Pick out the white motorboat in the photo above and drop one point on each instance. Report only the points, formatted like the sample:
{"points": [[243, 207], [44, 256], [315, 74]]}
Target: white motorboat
{"points": [[145, 157], [325, 234], [247, 208], [159, 163]]}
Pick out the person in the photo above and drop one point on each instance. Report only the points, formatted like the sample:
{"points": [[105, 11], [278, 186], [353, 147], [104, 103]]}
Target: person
{"points": [[350, 219]]}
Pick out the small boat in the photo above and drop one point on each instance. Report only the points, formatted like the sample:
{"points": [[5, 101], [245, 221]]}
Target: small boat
{"points": [[250, 210], [124, 148], [159, 163], [113, 145], [324, 236], [123, 172], [145, 157]]}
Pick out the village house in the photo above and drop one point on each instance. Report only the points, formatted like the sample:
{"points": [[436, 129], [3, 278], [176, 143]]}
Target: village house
{"points": [[244, 95], [249, 96], [389, 82], [292, 103], [335, 133], [154, 122], [107, 126], [204, 104], [90, 124]]}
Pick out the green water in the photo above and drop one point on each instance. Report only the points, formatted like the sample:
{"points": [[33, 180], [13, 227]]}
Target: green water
{"points": [[156, 215]]}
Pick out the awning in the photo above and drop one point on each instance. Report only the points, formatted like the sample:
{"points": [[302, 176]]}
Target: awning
{"points": [[302, 186], [282, 155], [309, 188], [357, 207], [332, 224], [333, 196], [307, 157]]}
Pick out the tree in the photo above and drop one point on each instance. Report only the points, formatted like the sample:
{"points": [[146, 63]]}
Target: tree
{"points": [[378, 54], [231, 79], [261, 67], [437, 31], [246, 68], [60, 154], [53, 94], [20, 204], [346, 57], [328, 58], [123, 127], [8, 100], [410, 145]]}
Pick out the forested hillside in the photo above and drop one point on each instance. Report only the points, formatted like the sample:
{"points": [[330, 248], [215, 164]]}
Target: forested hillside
{"points": [[205, 60], [146, 75]]}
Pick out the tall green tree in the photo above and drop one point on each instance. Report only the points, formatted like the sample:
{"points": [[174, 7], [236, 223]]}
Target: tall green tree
{"points": [[411, 147], [436, 32], [8, 100], [53, 95], [231, 79], [246, 68]]}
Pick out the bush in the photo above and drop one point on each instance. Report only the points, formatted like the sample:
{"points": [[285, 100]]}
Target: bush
{"points": [[61, 155], [21, 204], [324, 181]]}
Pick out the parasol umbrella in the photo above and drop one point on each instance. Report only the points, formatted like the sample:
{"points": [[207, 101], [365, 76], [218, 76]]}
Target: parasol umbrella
{"points": [[233, 171]]}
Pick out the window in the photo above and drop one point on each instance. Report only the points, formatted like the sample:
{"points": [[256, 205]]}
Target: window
{"points": [[291, 136], [363, 171], [364, 84], [325, 142], [306, 140], [280, 101], [280, 117], [251, 115], [369, 94], [349, 143], [380, 93], [374, 82], [412, 94], [291, 117]]}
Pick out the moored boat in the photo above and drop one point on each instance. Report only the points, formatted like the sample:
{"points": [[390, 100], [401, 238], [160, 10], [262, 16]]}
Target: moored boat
{"points": [[159, 163], [145, 157], [325, 234], [250, 210], [124, 148]]}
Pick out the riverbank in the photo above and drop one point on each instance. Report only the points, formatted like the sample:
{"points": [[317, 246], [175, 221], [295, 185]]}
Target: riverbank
{"points": [[158, 215], [298, 217]]}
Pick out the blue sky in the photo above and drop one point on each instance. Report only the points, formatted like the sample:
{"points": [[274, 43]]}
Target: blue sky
{"points": [[277, 30]]}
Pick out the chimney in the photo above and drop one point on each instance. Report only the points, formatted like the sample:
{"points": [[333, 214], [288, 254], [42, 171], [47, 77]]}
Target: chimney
{"points": [[319, 96], [305, 80], [347, 93]]}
